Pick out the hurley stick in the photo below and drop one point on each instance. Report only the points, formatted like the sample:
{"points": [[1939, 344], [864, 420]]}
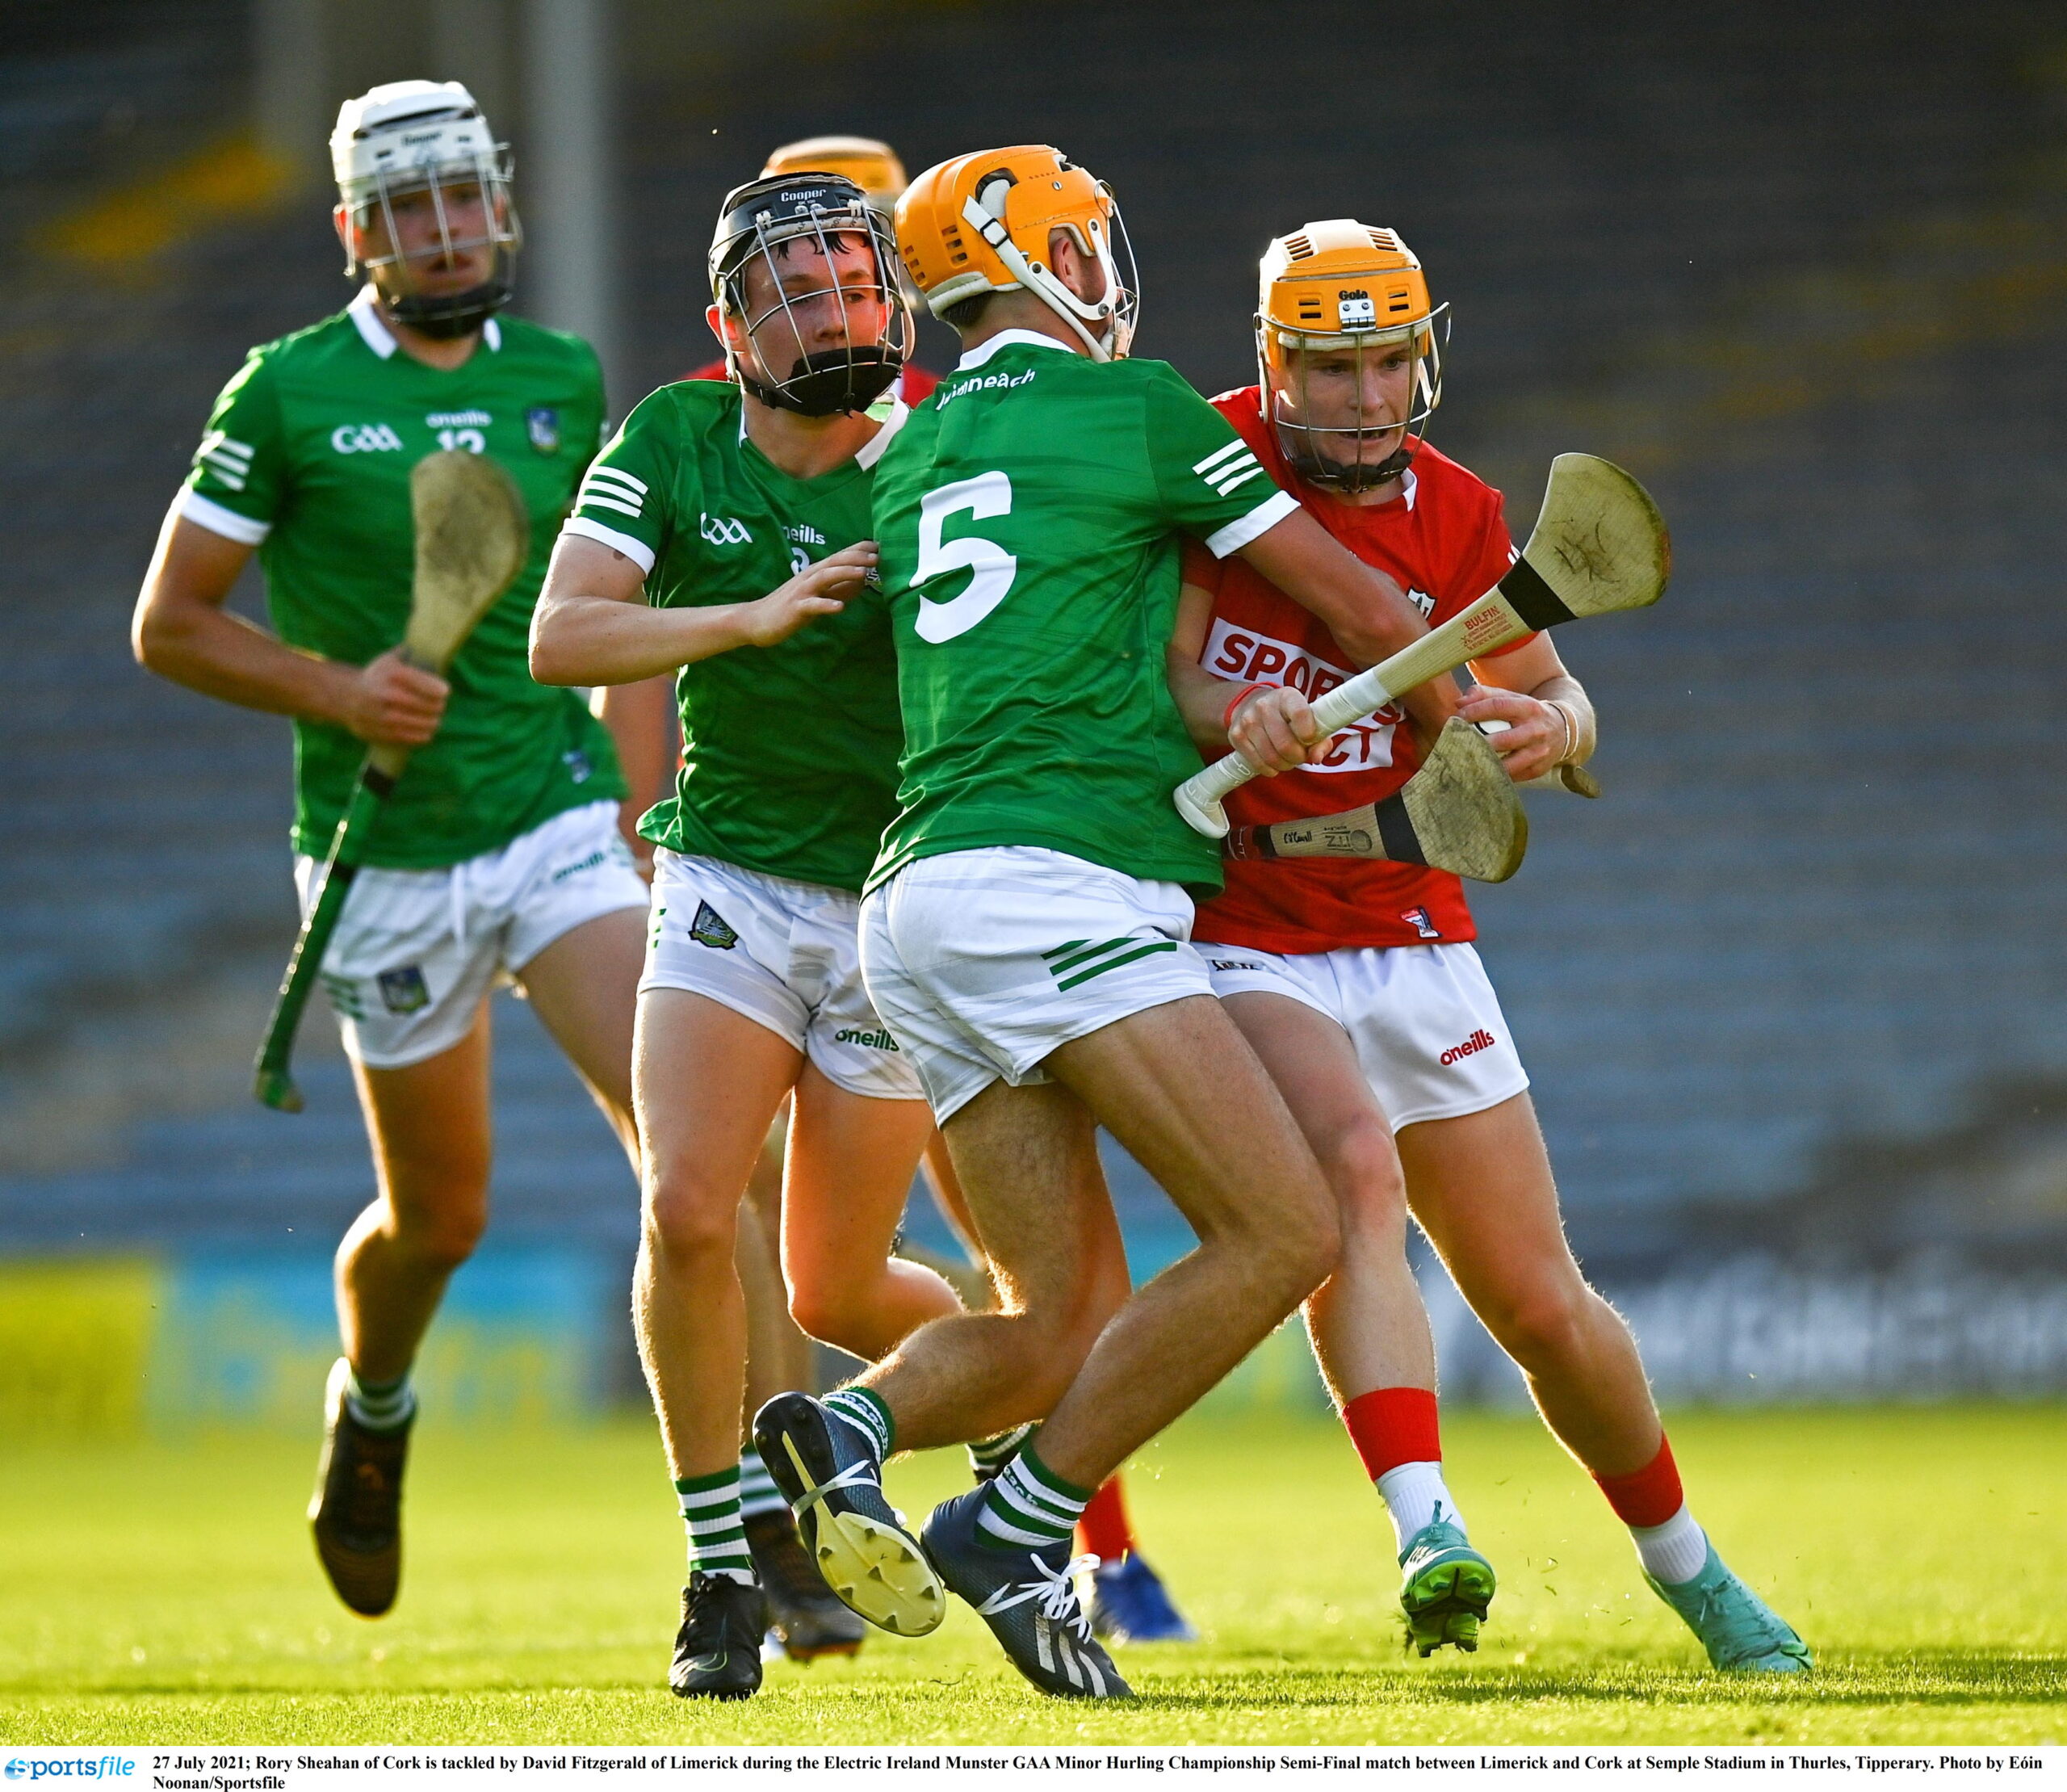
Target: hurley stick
{"points": [[1599, 545], [1459, 813], [472, 535]]}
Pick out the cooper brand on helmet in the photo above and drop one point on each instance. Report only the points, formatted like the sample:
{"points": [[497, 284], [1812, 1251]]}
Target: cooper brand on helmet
{"points": [[829, 338], [423, 193], [1338, 299]]}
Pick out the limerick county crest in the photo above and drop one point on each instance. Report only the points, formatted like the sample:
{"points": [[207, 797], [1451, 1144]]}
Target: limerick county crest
{"points": [[709, 929], [542, 423]]}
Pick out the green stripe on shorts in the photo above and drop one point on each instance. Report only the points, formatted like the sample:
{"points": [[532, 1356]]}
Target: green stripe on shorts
{"points": [[1114, 963]]}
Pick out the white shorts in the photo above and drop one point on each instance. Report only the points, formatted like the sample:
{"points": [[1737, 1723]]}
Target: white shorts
{"points": [[415, 951], [985, 962], [1427, 1028], [784, 955]]}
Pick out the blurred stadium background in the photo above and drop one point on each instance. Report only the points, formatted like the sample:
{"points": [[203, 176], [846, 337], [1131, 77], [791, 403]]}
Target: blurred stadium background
{"points": [[1794, 994]]}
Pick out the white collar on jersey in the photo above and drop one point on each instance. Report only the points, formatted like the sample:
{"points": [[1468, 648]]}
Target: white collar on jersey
{"points": [[870, 451], [364, 311], [1007, 338]]}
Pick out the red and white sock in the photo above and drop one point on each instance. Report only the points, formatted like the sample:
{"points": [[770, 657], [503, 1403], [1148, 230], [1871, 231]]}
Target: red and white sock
{"points": [[1671, 1546], [1399, 1439], [1103, 1531]]}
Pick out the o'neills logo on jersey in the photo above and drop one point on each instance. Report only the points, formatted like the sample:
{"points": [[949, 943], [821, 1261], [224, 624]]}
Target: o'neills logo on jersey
{"points": [[1253, 658], [1480, 1040], [856, 1035]]}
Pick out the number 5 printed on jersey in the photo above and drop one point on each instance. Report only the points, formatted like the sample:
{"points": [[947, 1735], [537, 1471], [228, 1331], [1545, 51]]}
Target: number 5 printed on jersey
{"points": [[987, 495]]}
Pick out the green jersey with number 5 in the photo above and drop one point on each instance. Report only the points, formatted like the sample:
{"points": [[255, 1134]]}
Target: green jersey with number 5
{"points": [[790, 752], [1029, 514]]}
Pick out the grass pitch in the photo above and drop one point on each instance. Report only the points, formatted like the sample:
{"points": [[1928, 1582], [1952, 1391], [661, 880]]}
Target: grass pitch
{"points": [[155, 1594]]}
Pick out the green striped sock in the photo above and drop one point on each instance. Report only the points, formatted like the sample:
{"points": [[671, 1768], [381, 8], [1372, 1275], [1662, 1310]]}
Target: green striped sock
{"points": [[379, 1405], [1029, 1506], [717, 1538], [866, 1411], [758, 1492], [988, 1455]]}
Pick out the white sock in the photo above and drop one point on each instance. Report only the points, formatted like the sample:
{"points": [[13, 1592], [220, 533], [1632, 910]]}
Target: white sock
{"points": [[1673, 1551], [1416, 1496]]}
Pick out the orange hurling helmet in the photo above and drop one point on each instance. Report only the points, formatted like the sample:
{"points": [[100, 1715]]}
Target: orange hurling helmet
{"points": [[981, 224], [1336, 288], [870, 165]]}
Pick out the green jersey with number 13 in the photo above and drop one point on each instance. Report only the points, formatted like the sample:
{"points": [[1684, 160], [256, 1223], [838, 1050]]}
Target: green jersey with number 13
{"points": [[1029, 514], [307, 458]]}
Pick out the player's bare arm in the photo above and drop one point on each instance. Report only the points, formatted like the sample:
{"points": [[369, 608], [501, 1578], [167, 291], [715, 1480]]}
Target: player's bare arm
{"points": [[592, 626], [181, 631], [1270, 726], [1550, 720], [1365, 611], [640, 717]]}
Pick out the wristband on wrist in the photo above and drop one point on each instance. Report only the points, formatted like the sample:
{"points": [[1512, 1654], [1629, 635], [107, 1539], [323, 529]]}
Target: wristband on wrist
{"points": [[1571, 730], [1235, 702]]}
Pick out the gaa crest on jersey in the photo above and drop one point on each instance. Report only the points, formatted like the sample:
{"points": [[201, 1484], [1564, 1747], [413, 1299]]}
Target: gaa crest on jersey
{"points": [[542, 425], [712, 929], [404, 991], [365, 439], [1418, 918]]}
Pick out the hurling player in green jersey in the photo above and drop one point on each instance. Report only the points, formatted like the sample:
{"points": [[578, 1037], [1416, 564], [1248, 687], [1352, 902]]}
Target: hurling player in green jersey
{"points": [[1026, 933], [499, 854], [721, 537]]}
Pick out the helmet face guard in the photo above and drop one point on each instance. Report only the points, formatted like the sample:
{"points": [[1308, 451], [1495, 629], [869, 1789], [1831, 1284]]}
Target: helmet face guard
{"points": [[774, 223], [1331, 454], [470, 209]]}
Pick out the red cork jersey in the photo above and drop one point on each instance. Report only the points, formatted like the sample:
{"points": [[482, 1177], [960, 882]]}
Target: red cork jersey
{"points": [[1444, 540], [913, 384]]}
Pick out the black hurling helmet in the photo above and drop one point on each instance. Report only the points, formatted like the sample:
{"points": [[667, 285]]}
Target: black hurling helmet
{"points": [[780, 220]]}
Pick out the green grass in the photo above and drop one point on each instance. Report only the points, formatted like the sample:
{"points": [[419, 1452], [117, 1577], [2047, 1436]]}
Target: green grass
{"points": [[155, 1594]]}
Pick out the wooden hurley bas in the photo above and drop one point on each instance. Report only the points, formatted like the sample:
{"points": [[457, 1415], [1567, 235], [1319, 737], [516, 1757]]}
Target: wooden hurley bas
{"points": [[472, 536], [1599, 545], [1459, 813]]}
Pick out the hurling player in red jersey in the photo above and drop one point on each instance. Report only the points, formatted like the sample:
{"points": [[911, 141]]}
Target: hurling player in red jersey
{"points": [[1355, 980]]}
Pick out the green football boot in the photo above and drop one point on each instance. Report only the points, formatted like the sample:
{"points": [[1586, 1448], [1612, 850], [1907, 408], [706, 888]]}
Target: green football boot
{"points": [[1447, 1586], [1740, 1632]]}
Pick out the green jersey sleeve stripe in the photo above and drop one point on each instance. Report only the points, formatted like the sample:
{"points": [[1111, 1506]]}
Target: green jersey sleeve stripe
{"points": [[1242, 531], [630, 546], [219, 519]]}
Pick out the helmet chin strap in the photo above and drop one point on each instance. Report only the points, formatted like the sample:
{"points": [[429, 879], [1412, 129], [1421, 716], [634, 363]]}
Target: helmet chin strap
{"points": [[452, 316], [1045, 286], [1353, 476], [833, 382]]}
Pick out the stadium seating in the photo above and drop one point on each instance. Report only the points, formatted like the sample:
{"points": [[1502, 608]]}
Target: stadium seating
{"points": [[1809, 296]]}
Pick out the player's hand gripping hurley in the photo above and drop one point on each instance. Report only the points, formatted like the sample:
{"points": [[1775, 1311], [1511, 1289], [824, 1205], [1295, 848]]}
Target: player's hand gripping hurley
{"points": [[1599, 545], [472, 534]]}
